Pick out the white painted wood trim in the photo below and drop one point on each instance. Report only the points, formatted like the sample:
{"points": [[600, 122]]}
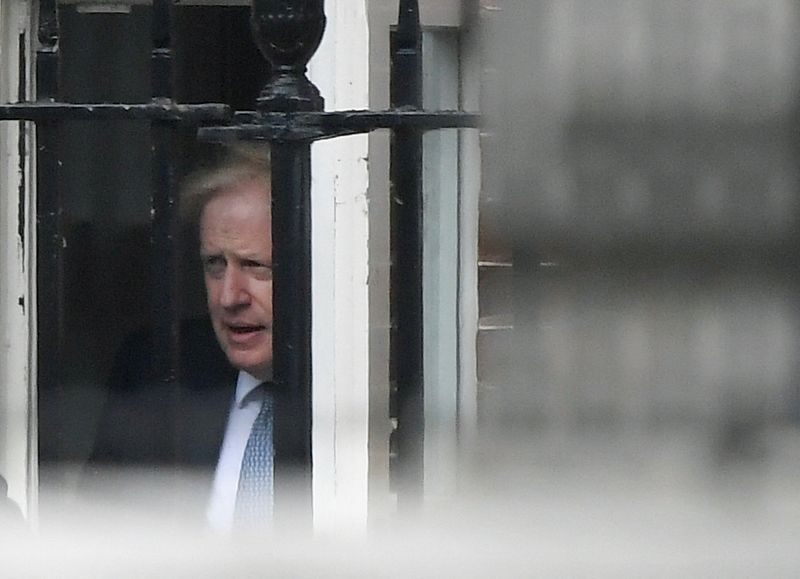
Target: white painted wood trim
{"points": [[382, 501], [440, 265], [17, 351], [470, 190], [340, 217]]}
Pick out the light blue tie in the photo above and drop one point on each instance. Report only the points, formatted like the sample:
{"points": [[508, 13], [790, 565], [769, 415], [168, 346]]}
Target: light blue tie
{"points": [[254, 495]]}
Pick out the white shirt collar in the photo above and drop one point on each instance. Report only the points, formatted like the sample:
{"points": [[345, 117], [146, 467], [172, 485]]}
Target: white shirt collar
{"points": [[245, 384]]}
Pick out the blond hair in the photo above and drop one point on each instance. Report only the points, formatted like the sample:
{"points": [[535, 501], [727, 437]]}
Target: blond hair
{"points": [[240, 163]]}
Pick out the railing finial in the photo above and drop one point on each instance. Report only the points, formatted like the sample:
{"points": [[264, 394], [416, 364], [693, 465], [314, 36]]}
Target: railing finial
{"points": [[408, 25], [288, 32]]}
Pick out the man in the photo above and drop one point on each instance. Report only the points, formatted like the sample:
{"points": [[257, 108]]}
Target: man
{"points": [[216, 420]]}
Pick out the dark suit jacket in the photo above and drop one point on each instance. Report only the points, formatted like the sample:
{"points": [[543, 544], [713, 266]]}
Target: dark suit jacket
{"points": [[159, 427]]}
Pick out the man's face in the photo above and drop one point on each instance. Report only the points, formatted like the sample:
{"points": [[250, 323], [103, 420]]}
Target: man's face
{"points": [[236, 251]]}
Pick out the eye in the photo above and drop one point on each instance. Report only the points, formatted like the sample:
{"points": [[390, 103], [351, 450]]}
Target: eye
{"points": [[214, 265], [261, 271]]}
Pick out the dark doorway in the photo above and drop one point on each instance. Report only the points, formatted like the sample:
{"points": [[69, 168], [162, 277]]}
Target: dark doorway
{"points": [[105, 184]]}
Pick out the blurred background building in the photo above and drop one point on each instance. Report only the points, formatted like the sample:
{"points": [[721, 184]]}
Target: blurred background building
{"points": [[639, 221]]}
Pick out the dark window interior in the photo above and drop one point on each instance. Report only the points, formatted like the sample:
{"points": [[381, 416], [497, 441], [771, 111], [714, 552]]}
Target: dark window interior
{"points": [[106, 190]]}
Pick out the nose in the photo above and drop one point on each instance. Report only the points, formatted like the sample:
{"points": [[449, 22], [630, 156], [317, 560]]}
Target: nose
{"points": [[234, 289]]}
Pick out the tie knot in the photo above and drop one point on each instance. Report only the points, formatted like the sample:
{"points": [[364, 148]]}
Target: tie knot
{"points": [[256, 395]]}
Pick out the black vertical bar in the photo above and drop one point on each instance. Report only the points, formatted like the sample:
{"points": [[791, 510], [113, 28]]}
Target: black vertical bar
{"points": [[50, 239], [406, 283], [288, 32], [164, 225], [291, 258], [162, 51]]}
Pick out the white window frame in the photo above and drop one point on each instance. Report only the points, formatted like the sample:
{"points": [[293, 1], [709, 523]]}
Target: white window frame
{"points": [[450, 300], [350, 277], [343, 471], [451, 185], [18, 459]]}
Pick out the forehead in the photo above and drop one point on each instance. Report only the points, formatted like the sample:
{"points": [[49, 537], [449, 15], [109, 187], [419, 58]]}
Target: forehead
{"points": [[237, 214], [240, 200]]}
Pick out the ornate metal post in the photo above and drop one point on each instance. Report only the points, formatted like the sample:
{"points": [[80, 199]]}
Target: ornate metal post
{"points": [[288, 33]]}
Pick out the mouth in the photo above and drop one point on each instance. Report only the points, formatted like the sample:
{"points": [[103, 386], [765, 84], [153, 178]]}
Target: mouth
{"points": [[244, 331]]}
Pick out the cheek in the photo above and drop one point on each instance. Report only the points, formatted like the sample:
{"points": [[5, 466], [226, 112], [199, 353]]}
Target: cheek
{"points": [[212, 294]]}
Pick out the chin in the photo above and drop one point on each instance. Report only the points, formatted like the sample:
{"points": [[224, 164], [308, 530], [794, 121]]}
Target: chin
{"points": [[257, 368]]}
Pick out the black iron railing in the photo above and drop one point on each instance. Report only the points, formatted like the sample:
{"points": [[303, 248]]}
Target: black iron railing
{"points": [[49, 207], [289, 116]]}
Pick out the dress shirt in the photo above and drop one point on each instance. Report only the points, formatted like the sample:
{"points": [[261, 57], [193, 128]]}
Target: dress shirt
{"points": [[244, 409]]}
